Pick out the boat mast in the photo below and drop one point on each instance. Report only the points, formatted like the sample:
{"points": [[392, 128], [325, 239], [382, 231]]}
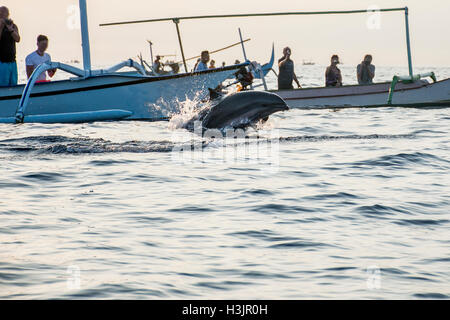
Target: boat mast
{"points": [[85, 36], [177, 21], [408, 43]]}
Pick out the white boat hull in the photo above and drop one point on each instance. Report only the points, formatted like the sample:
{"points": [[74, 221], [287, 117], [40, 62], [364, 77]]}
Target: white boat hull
{"points": [[121, 96], [419, 93]]}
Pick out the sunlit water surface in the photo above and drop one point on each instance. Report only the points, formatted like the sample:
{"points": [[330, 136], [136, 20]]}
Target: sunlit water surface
{"points": [[346, 204]]}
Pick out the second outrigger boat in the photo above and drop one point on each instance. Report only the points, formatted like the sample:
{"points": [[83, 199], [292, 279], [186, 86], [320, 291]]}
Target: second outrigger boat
{"points": [[412, 90]]}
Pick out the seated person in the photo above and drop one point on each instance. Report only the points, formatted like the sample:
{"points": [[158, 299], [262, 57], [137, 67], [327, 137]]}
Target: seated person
{"points": [[365, 71], [34, 59], [333, 77], [158, 65], [212, 64], [203, 64]]}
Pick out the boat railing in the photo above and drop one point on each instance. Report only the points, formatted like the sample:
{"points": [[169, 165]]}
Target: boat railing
{"points": [[82, 74], [407, 79]]}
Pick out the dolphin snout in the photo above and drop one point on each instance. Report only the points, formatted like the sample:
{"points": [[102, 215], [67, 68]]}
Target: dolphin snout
{"points": [[278, 105]]}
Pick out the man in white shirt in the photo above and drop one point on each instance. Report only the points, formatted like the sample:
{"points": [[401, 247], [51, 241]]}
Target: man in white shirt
{"points": [[38, 57], [203, 64]]}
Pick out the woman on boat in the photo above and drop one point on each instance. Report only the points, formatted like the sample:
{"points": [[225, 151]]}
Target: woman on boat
{"points": [[286, 74], [333, 77]]}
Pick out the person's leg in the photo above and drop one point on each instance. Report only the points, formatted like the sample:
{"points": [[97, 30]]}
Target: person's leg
{"points": [[13, 74], [4, 75]]}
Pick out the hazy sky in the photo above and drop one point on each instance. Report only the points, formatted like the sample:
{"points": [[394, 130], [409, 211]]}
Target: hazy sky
{"points": [[310, 37]]}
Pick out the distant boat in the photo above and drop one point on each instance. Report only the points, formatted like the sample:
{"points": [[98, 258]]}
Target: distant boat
{"points": [[308, 63]]}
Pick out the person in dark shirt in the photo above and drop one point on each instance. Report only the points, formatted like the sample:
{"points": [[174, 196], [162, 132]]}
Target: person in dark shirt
{"points": [[365, 72], [333, 77], [9, 35], [287, 74]]}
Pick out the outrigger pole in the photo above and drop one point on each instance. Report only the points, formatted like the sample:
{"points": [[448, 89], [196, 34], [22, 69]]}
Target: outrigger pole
{"points": [[85, 37], [218, 50], [151, 50], [178, 19], [408, 43]]}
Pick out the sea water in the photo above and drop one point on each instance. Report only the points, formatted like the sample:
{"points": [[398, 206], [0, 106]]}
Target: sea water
{"points": [[318, 204]]}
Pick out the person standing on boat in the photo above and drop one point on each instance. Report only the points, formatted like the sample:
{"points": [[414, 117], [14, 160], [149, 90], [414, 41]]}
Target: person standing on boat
{"points": [[286, 74], [333, 77], [212, 64], [203, 64], [365, 71], [34, 59], [9, 35], [158, 65]]}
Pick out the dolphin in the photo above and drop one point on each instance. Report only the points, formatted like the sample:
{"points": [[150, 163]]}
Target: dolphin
{"points": [[240, 110]]}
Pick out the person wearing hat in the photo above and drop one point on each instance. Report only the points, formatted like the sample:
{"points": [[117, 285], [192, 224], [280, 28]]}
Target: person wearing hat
{"points": [[286, 74], [333, 77]]}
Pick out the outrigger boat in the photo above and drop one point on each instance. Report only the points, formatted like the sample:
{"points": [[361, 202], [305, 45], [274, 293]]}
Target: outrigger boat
{"points": [[417, 93], [411, 90], [402, 91], [107, 94]]}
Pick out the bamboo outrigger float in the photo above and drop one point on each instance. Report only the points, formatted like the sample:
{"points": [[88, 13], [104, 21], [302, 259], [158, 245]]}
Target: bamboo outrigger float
{"points": [[410, 90]]}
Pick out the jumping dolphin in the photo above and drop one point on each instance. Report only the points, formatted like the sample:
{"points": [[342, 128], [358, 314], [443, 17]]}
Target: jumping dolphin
{"points": [[240, 110]]}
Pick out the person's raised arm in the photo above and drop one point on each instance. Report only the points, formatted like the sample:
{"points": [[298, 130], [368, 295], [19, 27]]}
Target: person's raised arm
{"points": [[14, 32], [283, 60]]}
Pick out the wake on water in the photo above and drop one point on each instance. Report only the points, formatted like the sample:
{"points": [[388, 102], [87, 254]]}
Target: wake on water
{"points": [[77, 145]]}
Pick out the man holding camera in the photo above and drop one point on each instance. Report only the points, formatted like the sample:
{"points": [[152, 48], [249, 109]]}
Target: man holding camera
{"points": [[366, 71], [9, 35], [287, 74]]}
